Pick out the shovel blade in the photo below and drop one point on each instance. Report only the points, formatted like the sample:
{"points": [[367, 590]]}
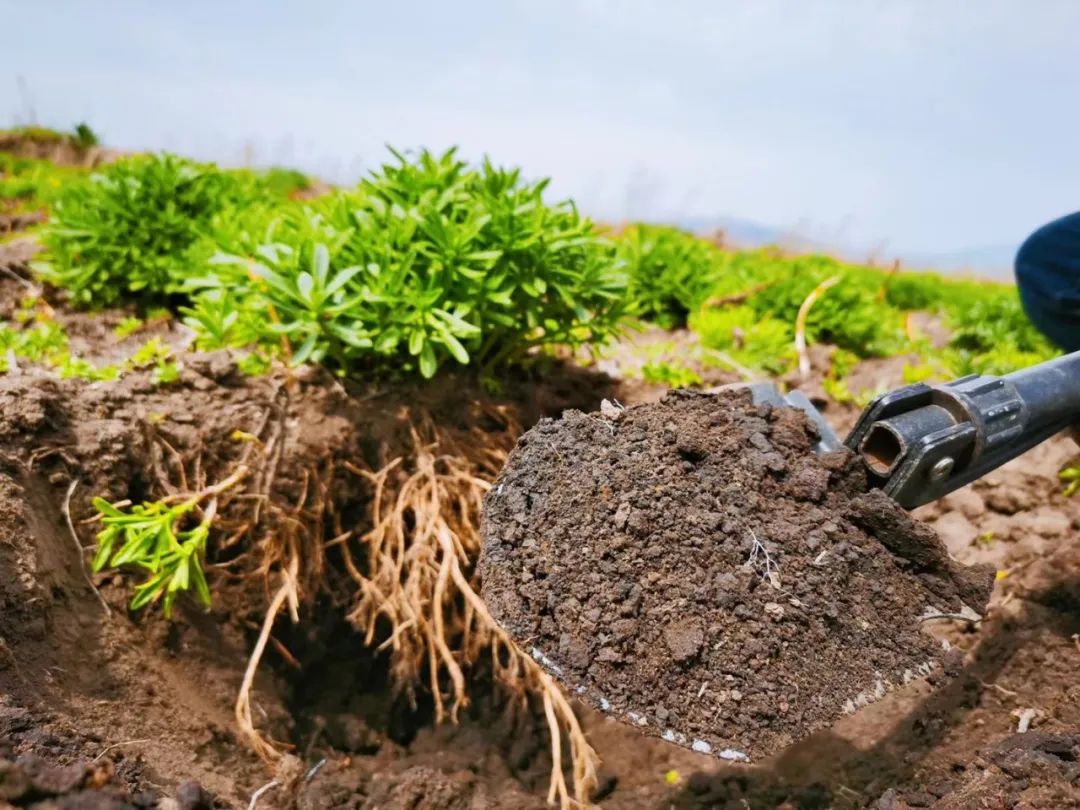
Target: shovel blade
{"points": [[768, 393]]}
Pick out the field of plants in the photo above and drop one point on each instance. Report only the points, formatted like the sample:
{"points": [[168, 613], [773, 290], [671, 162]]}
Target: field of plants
{"points": [[248, 422]]}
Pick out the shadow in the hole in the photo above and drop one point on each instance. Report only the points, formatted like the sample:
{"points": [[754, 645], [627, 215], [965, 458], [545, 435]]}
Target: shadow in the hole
{"points": [[826, 770]]}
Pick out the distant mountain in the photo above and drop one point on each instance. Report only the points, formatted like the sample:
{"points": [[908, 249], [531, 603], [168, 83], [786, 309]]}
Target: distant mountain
{"points": [[989, 261], [746, 233]]}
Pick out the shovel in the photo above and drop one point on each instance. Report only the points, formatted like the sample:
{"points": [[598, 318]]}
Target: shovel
{"points": [[911, 446]]}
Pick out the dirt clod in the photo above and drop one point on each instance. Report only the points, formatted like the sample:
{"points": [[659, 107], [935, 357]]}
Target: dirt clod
{"points": [[768, 594], [190, 795]]}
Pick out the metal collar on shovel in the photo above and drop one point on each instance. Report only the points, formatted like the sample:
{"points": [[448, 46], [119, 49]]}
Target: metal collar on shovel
{"points": [[921, 442]]}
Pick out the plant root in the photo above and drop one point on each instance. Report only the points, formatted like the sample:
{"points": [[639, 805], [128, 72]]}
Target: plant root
{"points": [[800, 324], [412, 566], [287, 593], [416, 578]]}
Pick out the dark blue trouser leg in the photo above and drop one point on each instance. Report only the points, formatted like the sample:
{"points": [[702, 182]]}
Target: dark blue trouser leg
{"points": [[1048, 276]]}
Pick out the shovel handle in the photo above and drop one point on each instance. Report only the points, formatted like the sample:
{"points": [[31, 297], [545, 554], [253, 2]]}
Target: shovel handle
{"points": [[922, 441]]}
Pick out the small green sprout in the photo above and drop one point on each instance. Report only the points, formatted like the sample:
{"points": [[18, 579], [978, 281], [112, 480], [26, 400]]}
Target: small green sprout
{"points": [[1070, 474], [149, 536], [165, 372], [254, 364], [160, 356], [670, 374], [128, 327], [71, 366]]}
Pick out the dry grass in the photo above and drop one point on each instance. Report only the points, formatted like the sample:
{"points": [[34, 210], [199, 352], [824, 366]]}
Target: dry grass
{"points": [[800, 323]]}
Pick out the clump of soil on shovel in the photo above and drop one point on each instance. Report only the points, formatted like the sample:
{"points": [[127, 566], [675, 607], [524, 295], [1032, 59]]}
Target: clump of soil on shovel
{"points": [[693, 568]]}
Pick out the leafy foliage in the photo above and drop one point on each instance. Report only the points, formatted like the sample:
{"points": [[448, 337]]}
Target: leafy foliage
{"points": [[749, 311], [44, 342], [127, 231], [430, 260], [670, 272], [1071, 476], [281, 182], [27, 183], [761, 343], [147, 536], [35, 338], [673, 375], [426, 261]]}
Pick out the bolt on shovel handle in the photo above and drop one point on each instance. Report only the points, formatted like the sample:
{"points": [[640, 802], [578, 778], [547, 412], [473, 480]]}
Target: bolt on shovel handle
{"points": [[921, 442]]}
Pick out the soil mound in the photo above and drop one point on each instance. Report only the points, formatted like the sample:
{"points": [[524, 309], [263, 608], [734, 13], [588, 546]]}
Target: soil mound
{"points": [[693, 568]]}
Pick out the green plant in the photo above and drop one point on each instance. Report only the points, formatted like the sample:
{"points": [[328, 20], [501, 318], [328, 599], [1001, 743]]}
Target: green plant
{"points": [[155, 353], [83, 137], [835, 381], [670, 374], [848, 315], [71, 366], [762, 343], [254, 364], [128, 327], [129, 230], [1071, 476], [28, 184], [920, 372], [37, 343], [670, 272], [284, 183], [37, 339], [426, 261], [149, 536]]}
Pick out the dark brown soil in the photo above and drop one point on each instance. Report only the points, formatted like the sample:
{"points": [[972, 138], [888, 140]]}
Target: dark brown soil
{"points": [[153, 698], [694, 569]]}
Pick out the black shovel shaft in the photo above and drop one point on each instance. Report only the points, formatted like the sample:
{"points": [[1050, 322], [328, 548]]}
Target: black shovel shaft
{"points": [[1051, 390], [921, 442]]}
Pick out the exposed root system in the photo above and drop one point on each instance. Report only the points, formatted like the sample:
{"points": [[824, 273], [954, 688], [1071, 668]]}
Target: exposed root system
{"points": [[416, 580]]}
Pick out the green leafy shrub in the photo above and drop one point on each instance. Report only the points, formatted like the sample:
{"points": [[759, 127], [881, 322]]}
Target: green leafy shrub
{"points": [[129, 230], [280, 182], [670, 272], [917, 291], [426, 261], [849, 315], [864, 313], [761, 343]]}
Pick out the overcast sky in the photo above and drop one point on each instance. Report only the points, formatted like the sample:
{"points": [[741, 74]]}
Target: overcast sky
{"points": [[937, 125]]}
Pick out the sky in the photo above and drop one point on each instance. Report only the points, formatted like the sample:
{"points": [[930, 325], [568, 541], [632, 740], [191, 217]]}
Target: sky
{"points": [[886, 126]]}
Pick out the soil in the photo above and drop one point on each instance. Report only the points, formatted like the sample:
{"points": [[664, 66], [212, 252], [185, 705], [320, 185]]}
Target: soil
{"points": [[124, 709], [62, 151], [692, 567], [82, 680]]}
